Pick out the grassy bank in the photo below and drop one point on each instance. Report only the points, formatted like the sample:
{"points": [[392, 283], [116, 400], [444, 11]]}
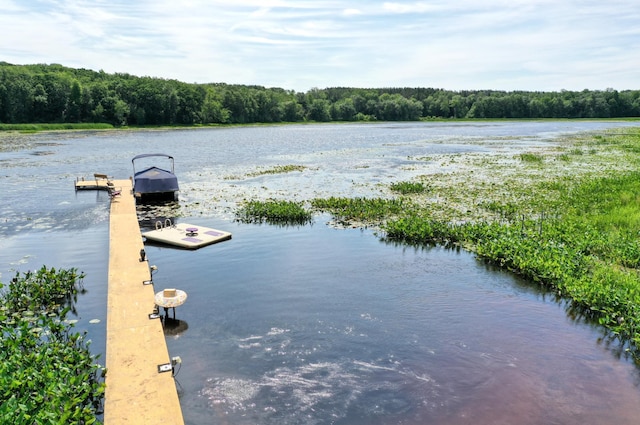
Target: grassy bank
{"points": [[38, 127], [34, 128]]}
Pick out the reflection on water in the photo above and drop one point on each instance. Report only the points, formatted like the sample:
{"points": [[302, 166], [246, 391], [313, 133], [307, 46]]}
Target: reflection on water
{"points": [[152, 216], [310, 324]]}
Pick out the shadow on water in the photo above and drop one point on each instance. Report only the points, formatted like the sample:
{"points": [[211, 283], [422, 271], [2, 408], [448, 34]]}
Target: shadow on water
{"points": [[174, 327]]}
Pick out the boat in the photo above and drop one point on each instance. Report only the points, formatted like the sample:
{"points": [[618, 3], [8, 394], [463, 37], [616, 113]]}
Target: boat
{"points": [[154, 183]]}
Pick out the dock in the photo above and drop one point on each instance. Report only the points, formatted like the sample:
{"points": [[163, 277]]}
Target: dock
{"points": [[185, 235], [140, 388], [99, 182]]}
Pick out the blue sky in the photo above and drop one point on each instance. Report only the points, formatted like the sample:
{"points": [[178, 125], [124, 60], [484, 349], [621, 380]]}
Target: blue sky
{"points": [[545, 45]]}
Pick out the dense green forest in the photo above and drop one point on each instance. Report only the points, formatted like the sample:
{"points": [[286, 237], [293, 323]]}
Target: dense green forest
{"points": [[58, 94]]}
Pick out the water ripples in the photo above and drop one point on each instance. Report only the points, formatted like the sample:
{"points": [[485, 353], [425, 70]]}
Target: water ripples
{"points": [[313, 392], [312, 325]]}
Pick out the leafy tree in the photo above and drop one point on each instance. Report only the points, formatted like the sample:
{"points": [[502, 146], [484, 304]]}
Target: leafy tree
{"points": [[292, 111], [212, 109], [40, 100], [343, 110], [320, 110], [54, 93], [75, 103]]}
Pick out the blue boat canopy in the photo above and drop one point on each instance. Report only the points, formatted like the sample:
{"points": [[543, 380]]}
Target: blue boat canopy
{"points": [[154, 182]]}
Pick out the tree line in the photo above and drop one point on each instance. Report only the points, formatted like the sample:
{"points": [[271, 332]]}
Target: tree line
{"points": [[52, 93]]}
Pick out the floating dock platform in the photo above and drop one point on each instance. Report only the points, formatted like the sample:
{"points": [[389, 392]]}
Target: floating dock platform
{"points": [[140, 388], [185, 235], [99, 182]]}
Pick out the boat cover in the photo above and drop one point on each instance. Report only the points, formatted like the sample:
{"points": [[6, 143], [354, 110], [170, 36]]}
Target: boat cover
{"points": [[155, 180]]}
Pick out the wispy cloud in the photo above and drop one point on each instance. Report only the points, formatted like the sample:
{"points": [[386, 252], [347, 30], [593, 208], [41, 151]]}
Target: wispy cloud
{"points": [[500, 44]]}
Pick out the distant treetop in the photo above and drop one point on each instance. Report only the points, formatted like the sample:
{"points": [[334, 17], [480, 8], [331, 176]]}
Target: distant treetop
{"points": [[54, 93]]}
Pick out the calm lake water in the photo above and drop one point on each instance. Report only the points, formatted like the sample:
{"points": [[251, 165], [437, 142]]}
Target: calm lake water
{"points": [[311, 324]]}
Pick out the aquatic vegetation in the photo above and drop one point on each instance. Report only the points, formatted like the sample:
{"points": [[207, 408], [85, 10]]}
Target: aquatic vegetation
{"points": [[530, 157], [360, 209], [575, 235], [279, 169], [572, 227], [505, 210], [273, 212], [38, 291], [418, 228], [33, 128], [408, 187], [47, 373]]}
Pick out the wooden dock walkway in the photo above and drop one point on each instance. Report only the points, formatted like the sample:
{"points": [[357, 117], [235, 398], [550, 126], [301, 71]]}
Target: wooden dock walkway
{"points": [[136, 392]]}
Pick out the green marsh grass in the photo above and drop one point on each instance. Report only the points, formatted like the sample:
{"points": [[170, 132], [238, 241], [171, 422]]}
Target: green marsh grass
{"points": [[279, 169], [33, 128], [361, 210], [531, 157], [274, 212], [406, 188]]}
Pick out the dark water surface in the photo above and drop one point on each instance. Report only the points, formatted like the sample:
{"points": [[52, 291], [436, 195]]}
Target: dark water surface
{"points": [[314, 325]]}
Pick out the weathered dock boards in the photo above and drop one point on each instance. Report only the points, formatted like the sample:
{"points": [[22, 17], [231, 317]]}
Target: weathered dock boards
{"points": [[136, 393]]}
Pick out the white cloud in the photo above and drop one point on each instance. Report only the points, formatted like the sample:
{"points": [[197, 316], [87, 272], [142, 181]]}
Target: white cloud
{"points": [[416, 7], [500, 44], [351, 12]]}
